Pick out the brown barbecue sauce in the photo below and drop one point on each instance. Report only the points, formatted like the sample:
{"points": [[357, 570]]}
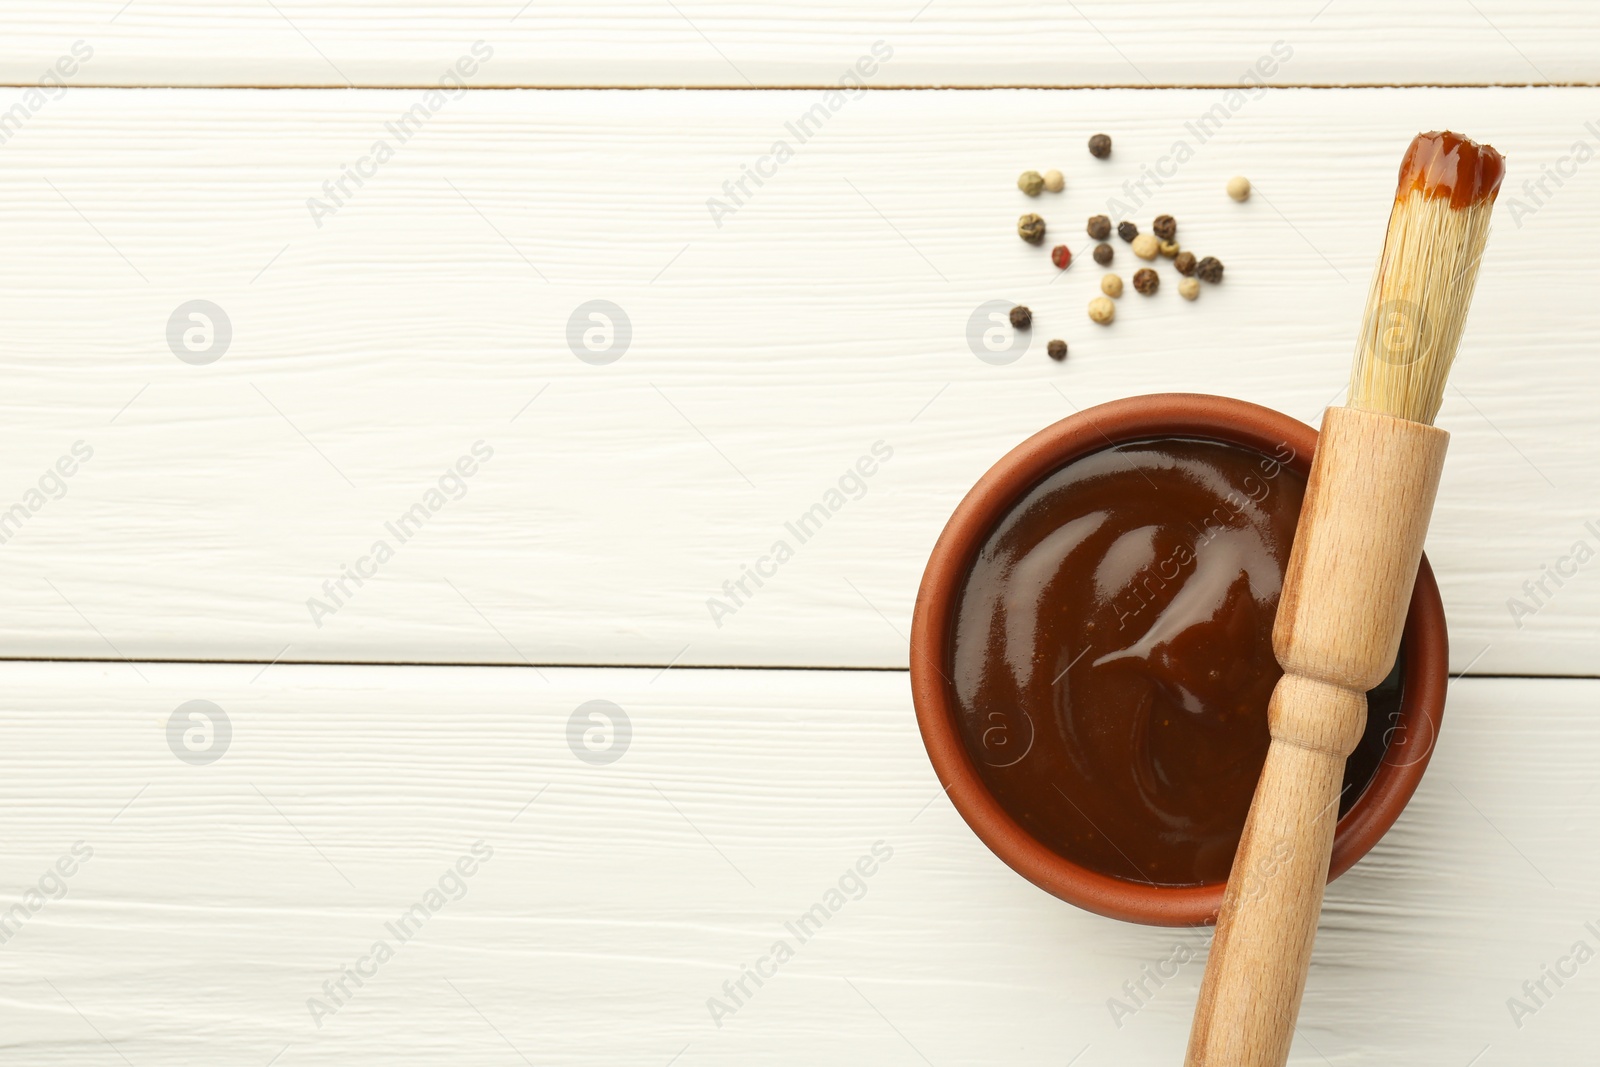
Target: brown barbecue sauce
{"points": [[1113, 656], [1447, 166]]}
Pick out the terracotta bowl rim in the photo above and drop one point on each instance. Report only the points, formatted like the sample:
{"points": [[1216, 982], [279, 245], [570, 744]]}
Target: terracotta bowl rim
{"points": [[1018, 471]]}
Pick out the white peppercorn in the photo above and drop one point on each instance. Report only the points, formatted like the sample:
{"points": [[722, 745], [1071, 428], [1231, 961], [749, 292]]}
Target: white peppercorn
{"points": [[1146, 245], [1239, 187], [1189, 288], [1102, 310], [1111, 285], [1053, 181]]}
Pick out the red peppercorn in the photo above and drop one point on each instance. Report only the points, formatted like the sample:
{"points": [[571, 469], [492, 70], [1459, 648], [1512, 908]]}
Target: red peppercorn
{"points": [[1061, 256]]}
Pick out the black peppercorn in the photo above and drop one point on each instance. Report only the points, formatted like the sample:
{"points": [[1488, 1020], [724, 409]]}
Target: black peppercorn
{"points": [[1184, 261], [1030, 228], [1057, 350], [1100, 146], [1102, 254], [1165, 227], [1099, 227], [1021, 317], [1146, 281], [1127, 231], [1210, 269]]}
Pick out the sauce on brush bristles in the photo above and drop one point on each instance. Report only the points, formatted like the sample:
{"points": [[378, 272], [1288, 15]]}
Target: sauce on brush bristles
{"points": [[1423, 284]]}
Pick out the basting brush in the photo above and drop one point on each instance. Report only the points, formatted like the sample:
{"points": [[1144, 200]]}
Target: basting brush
{"points": [[1351, 570]]}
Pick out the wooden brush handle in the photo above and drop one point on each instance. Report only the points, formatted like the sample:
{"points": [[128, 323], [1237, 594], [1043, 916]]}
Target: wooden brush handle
{"points": [[1350, 576]]}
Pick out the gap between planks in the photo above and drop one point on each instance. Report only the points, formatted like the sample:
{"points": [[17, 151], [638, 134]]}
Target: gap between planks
{"points": [[819, 86], [572, 666]]}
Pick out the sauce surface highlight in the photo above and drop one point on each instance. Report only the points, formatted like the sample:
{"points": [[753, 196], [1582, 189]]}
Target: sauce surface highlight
{"points": [[1444, 165], [1113, 655]]}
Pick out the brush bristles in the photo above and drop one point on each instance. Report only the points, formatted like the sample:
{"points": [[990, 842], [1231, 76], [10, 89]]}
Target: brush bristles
{"points": [[1417, 306]]}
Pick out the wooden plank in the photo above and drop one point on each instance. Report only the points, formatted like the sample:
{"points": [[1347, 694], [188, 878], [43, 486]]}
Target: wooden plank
{"points": [[618, 898], [827, 313], [724, 43]]}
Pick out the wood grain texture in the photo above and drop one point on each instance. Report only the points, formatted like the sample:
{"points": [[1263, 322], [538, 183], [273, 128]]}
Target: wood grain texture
{"points": [[739, 43], [828, 312], [1261, 955], [1367, 507], [1345, 593], [616, 902]]}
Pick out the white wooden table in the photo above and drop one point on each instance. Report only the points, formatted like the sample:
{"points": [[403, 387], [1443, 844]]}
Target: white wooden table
{"points": [[396, 367]]}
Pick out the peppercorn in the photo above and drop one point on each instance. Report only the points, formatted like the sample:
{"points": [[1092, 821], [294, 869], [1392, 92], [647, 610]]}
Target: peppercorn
{"points": [[1030, 182], [1102, 254], [1210, 270], [1100, 146], [1021, 317], [1061, 256], [1102, 310], [1146, 281], [1169, 248], [1111, 285], [1145, 246], [1057, 350], [1184, 261], [1127, 230], [1189, 289], [1099, 227], [1053, 181], [1165, 227], [1030, 228], [1239, 188]]}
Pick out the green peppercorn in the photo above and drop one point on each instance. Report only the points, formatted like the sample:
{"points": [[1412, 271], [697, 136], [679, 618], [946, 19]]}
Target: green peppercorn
{"points": [[1030, 228], [1210, 270], [1099, 227], [1031, 182], [1102, 254], [1021, 317]]}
